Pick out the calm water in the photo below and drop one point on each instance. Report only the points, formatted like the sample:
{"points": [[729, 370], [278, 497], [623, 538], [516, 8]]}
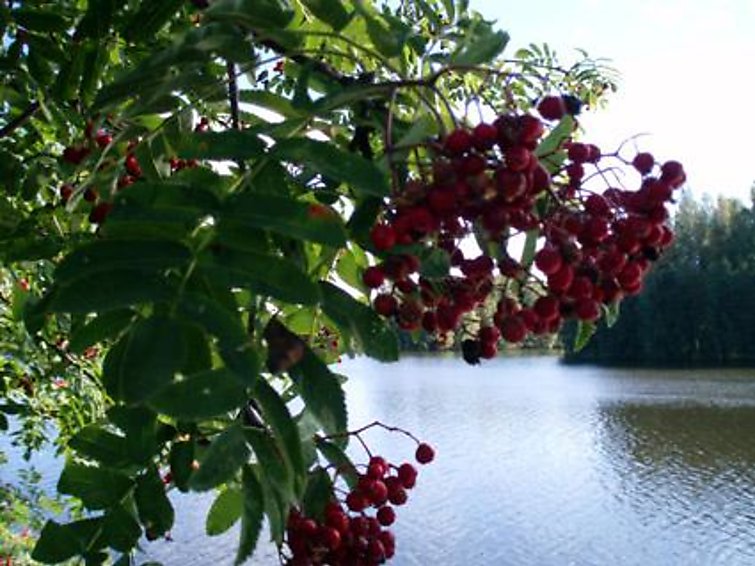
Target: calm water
{"points": [[541, 464]]}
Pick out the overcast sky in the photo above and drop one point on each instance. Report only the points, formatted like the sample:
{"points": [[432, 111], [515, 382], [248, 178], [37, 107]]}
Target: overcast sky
{"points": [[687, 76]]}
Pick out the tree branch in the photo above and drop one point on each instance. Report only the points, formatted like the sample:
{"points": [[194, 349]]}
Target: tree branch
{"points": [[16, 123]]}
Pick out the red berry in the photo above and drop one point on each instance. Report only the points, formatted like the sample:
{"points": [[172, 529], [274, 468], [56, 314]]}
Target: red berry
{"points": [[132, 165], [587, 309], [383, 237], [548, 260], [643, 162], [373, 277], [377, 467], [407, 475], [397, 496], [385, 305], [458, 142], [547, 307], [489, 334], [552, 108], [484, 136], [91, 194], [378, 492], [103, 139], [672, 173], [376, 551], [356, 502], [100, 212], [424, 454], [66, 192], [331, 538], [561, 280], [513, 329], [386, 515], [578, 152]]}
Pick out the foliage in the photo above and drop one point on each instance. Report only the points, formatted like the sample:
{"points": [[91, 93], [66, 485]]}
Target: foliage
{"points": [[697, 307], [188, 190]]}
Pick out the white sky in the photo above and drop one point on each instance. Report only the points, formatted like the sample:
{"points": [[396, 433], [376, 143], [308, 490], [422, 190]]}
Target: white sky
{"points": [[688, 76]]}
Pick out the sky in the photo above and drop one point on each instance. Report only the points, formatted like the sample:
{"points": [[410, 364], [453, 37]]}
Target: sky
{"points": [[684, 76]]}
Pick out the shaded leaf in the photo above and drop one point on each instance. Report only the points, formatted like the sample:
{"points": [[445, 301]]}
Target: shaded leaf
{"points": [[57, 542], [200, 396], [155, 509], [252, 514], [322, 392], [227, 453], [376, 338], [278, 417], [98, 488], [331, 162], [229, 144], [104, 326]]}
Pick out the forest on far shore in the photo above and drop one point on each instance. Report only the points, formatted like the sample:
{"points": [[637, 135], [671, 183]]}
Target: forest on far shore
{"points": [[697, 307]]}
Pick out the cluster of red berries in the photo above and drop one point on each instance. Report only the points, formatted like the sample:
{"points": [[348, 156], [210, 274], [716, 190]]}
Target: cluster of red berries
{"points": [[495, 181], [132, 171], [353, 531]]}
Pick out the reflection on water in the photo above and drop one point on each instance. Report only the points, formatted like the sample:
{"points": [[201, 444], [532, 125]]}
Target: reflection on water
{"points": [[544, 465]]}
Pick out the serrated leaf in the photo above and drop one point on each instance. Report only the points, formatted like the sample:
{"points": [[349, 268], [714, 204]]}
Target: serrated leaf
{"points": [[109, 290], [96, 443], [318, 493], [264, 274], [550, 150], [611, 313], [271, 460], [155, 509], [257, 14], [107, 255], [376, 338], [152, 352], [57, 542], [229, 144], [322, 392], [150, 19], [288, 217], [332, 12], [120, 530], [105, 326], [278, 417], [200, 396], [227, 453], [435, 263], [338, 458], [328, 160], [97, 488], [252, 514], [480, 44], [224, 511]]}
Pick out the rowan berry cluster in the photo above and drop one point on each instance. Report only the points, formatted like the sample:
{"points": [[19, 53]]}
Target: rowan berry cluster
{"points": [[353, 527], [129, 168], [495, 181]]}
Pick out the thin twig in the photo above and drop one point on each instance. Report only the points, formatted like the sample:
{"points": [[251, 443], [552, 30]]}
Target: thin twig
{"points": [[16, 123]]}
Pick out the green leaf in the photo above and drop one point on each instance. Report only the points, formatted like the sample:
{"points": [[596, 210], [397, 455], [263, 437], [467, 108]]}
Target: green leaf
{"points": [[585, 330], [96, 443], [435, 263], [376, 338], [321, 391], [611, 313], [318, 493], [480, 44], [181, 458], [381, 36], [200, 396], [338, 458], [58, 542], [109, 290], [529, 248], [42, 20], [120, 530], [155, 510], [3, 422], [264, 274], [256, 14], [331, 162], [550, 150], [96, 22], [252, 514], [272, 462], [225, 511], [104, 326], [227, 453], [140, 428], [229, 144], [150, 19], [288, 217], [278, 417], [154, 351], [332, 12], [98, 488], [108, 255]]}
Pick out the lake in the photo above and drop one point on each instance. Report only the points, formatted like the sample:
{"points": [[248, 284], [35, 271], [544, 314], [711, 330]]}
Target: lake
{"points": [[544, 464]]}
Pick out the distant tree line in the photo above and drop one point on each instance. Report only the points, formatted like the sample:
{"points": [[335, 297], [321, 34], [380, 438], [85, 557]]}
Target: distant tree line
{"points": [[698, 306]]}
